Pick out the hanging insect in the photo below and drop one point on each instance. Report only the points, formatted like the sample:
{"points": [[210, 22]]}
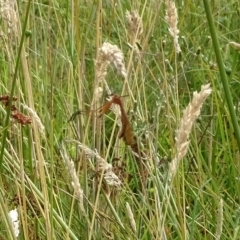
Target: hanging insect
{"points": [[126, 131]]}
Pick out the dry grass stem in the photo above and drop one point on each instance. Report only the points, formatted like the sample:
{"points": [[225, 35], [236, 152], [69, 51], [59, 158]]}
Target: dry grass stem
{"points": [[190, 114], [219, 220], [9, 16], [234, 44], [172, 20], [75, 181], [134, 23], [131, 217], [109, 176]]}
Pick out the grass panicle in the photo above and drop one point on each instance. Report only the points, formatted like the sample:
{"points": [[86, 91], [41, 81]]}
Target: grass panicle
{"points": [[103, 166], [98, 92], [9, 16], [36, 118], [135, 23], [107, 54], [219, 220], [75, 180], [172, 20], [190, 114], [131, 217], [235, 44]]}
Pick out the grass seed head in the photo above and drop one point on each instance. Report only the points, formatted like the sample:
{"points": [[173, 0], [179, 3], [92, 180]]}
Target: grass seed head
{"points": [[107, 54], [9, 16], [34, 116], [219, 220], [131, 217], [103, 166], [98, 92], [135, 24], [172, 20], [75, 180], [190, 114], [234, 44]]}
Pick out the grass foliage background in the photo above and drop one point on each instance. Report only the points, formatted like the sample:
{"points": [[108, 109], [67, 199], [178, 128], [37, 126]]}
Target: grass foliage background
{"points": [[55, 76]]}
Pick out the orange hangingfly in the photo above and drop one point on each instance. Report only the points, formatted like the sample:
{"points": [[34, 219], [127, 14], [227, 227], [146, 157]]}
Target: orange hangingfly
{"points": [[114, 99], [103, 109]]}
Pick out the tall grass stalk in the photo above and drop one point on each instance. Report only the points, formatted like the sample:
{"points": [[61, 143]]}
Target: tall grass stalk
{"points": [[222, 70], [14, 80]]}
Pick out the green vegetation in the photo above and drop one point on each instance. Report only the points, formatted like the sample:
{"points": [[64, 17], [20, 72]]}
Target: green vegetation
{"points": [[52, 65]]}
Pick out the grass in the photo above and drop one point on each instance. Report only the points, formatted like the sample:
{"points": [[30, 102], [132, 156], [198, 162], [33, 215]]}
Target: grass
{"points": [[51, 68]]}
